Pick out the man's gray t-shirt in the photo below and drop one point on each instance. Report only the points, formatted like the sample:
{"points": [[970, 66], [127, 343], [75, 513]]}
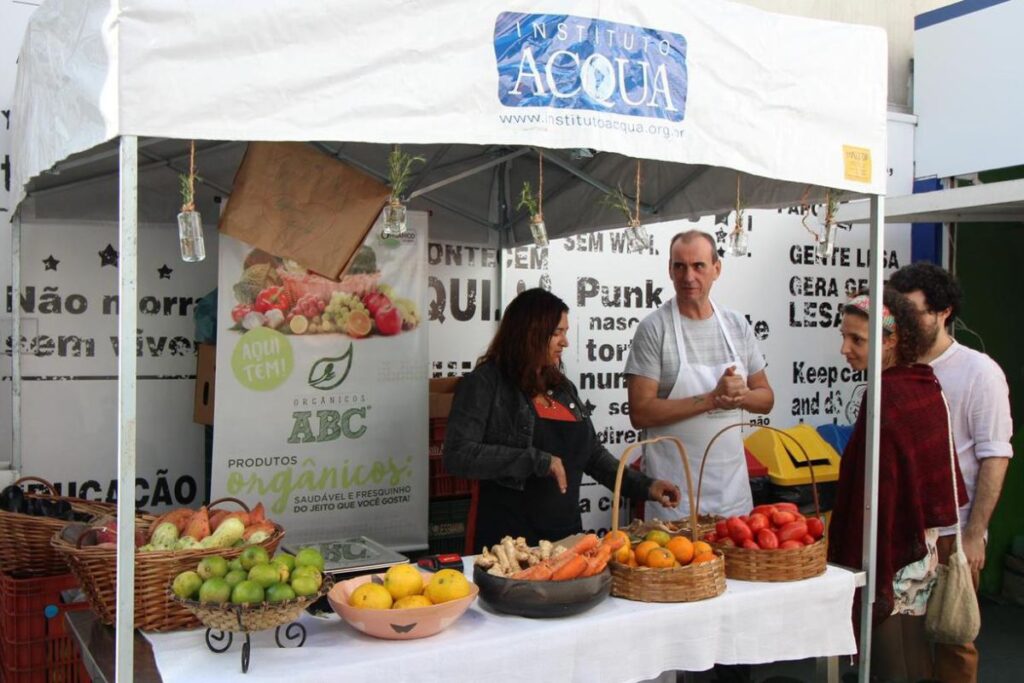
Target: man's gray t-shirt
{"points": [[654, 353]]}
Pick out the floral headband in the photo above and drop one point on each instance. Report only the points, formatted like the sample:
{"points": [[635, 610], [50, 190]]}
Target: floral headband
{"points": [[862, 302]]}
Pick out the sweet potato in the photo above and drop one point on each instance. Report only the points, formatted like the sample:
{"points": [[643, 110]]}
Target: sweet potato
{"points": [[257, 514], [240, 515], [199, 525], [216, 517], [264, 526], [179, 517]]}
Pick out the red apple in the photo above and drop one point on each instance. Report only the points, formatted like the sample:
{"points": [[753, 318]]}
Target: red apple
{"points": [[388, 319], [107, 533], [374, 301]]}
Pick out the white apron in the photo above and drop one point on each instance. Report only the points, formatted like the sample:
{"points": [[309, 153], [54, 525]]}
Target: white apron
{"points": [[726, 488]]}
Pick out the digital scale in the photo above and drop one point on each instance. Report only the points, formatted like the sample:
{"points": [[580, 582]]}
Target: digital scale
{"points": [[348, 557]]}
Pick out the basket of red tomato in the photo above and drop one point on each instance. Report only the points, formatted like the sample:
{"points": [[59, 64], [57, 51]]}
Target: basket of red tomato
{"points": [[772, 542]]}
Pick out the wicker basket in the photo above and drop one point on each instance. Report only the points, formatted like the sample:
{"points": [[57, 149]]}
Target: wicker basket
{"points": [[677, 584], [705, 524], [96, 569], [247, 618], [25, 539], [790, 564]]}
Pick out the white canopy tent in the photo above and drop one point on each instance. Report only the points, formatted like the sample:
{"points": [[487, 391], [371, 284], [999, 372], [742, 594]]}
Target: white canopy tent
{"points": [[700, 91]]}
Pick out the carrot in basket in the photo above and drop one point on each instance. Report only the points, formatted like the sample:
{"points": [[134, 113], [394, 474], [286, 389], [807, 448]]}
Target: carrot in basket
{"points": [[571, 569]]}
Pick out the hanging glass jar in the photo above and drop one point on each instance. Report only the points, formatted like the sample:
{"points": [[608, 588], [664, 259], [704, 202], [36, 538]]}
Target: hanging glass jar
{"points": [[637, 239], [738, 241], [394, 218], [538, 230], [190, 223], [190, 236], [826, 242]]}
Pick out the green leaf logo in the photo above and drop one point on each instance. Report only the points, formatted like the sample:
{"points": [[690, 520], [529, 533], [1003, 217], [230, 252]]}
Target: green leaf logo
{"points": [[327, 373]]}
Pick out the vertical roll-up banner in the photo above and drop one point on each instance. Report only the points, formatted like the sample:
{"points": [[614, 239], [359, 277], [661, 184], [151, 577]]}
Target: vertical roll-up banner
{"points": [[321, 396]]}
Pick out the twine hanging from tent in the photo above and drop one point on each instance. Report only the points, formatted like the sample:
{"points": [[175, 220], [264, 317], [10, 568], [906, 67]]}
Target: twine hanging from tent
{"points": [[738, 227], [540, 183], [188, 182], [636, 205]]}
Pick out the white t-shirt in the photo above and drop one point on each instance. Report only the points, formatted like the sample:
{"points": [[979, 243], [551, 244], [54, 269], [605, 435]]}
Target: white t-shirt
{"points": [[654, 354], [979, 408]]}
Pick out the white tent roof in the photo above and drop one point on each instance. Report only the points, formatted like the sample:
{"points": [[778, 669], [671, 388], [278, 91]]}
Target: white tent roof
{"points": [[703, 88]]}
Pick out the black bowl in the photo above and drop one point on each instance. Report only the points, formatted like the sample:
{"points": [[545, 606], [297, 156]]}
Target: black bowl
{"points": [[542, 599]]}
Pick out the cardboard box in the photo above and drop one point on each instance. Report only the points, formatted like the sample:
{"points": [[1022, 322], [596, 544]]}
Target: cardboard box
{"points": [[293, 201], [442, 392], [206, 372]]}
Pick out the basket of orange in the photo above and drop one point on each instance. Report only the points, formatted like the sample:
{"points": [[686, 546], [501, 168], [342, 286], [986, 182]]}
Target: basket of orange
{"points": [[772, 542], [662, 567]]}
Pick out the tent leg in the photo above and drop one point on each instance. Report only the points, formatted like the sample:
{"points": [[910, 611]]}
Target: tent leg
{"points": [[874, 396], [127, 319], [16, 346]]}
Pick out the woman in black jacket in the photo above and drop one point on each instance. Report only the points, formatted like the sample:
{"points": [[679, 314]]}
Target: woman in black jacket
{"points": [[518, 425]]}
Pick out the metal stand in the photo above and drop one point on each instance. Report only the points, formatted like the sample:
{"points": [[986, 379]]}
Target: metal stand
{"points": [[294, 635]]}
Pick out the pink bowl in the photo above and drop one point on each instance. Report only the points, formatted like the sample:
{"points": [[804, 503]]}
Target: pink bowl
{"points": [[397, 624]]}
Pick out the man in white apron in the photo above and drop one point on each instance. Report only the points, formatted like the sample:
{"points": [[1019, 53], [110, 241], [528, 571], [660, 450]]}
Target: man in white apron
{"points": [[692, 369]]}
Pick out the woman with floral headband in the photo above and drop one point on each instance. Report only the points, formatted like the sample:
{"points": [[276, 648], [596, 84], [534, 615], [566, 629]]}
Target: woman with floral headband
{"points": [[915, 490]]}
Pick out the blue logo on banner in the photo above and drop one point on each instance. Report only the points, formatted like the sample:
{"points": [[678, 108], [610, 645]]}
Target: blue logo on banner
{"points": [[567, 62]]}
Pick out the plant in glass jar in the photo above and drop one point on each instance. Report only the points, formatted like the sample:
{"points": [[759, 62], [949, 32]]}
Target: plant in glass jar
{"points": [[738, 235], [825, 240], [190, 223], [637, 239], [532, 205], [400, 166]]}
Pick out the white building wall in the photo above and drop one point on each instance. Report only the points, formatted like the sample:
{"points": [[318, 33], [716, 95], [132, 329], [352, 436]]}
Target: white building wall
{"points": [[895, 16]]}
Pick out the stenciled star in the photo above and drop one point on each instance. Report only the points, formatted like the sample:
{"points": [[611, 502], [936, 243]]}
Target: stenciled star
{"points": [[50, 262], [588, 407], [720, 235], [108, 257], [165, 272]]}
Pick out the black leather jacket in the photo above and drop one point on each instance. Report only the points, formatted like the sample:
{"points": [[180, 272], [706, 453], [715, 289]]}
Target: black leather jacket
{"points": [[490, 436]]}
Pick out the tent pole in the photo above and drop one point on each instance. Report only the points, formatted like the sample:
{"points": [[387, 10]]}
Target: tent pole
{"points": [[874, 396], [127, 317], [16, 344]]}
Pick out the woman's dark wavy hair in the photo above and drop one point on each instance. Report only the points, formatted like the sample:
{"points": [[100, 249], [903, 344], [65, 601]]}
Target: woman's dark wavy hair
{"points": [[911, 343], [520, 347]]}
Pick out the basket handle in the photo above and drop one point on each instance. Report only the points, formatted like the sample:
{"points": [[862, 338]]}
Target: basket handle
{"points": [[48, 485], [228, 499], [807, 459], [624, 460]]}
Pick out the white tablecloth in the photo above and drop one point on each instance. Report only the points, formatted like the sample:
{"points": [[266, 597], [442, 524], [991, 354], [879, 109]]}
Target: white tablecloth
{"points": [[617, 641]]}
